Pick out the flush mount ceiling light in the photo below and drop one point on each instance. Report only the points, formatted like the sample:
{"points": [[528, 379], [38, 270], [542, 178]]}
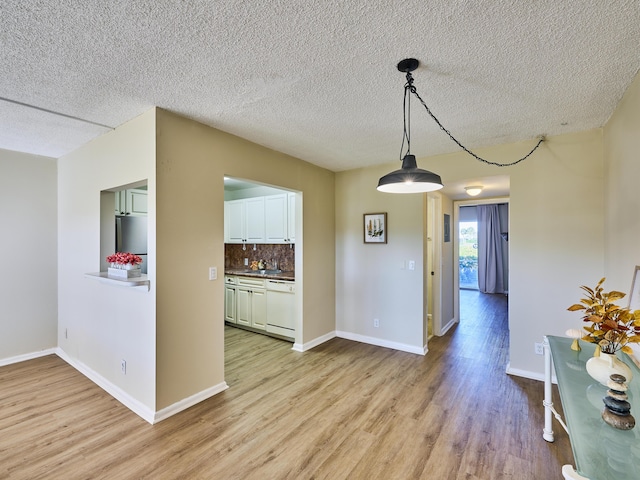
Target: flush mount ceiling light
{"points": [[410, 178], [474, 190]]}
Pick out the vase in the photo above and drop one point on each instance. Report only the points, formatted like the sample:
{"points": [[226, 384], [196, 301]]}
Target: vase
{"points": [[125, 266], [602, 367], [121, 270]]}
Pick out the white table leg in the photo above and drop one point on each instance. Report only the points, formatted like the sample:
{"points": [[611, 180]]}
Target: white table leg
{"points": [[570, 474], [548, 400]]}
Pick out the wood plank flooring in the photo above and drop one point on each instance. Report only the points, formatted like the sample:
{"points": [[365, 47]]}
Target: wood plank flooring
{"points": [[343, 410]]}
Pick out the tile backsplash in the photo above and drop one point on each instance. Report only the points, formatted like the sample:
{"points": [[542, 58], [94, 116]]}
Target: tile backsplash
{"points": [[234, 255]]}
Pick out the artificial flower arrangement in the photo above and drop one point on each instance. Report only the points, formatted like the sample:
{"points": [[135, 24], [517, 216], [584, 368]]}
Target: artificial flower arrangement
{"points": [[124, 258], [610, 327]]}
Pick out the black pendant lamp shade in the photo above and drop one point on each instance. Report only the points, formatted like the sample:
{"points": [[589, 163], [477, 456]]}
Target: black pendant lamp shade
{"points": [[410, 179]]}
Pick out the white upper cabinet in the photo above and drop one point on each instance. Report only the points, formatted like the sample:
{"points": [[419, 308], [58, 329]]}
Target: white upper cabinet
{"points": [[254, 214], [244, 220], [275, 223], [131, 202], [269, 219], [234, 221], [280, 218]]}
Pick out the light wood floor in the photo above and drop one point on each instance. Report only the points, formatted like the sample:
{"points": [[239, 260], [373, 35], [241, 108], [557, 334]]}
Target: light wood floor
{"points": [[342, 410]]}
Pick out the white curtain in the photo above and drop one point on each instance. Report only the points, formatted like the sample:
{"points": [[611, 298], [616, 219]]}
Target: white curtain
{"points": [[490, 256]]}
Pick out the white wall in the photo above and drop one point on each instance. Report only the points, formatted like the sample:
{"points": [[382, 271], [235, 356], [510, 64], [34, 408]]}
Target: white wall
{"points": [[28, 244], [105, 323]]}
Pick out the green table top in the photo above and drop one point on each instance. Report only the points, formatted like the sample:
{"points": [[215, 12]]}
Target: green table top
{"points": [[601, 452]]}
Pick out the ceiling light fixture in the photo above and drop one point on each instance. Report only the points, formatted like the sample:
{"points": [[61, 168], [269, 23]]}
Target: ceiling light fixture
{"points": [[410, 178], [474, 190]]}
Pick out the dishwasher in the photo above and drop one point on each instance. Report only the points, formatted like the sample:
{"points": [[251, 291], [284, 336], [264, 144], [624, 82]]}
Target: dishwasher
{"points": [[281, 307]]}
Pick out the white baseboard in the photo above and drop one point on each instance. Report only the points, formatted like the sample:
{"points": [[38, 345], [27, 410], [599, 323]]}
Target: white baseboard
{"points": [[529, 374], [382, 343], [303, 347], [27, 356], [189, 402], [445, 328], [133, 404], [116, 392]]}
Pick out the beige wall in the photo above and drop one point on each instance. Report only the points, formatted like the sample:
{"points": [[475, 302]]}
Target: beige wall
{"points": [[372, 280], [28, 289], [622, 227], [556, 242], [172, 336], [192, 160]]}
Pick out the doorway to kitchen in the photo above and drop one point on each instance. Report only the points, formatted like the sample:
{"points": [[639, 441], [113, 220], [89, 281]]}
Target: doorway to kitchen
{"points": [[261, 226]]}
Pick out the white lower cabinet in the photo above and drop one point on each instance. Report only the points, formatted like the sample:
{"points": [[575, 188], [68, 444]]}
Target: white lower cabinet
{"points": [[261, 304], [230, 299], [251, 303]]}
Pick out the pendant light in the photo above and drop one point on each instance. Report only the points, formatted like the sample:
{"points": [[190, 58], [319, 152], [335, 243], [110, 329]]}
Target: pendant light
{"points": [[410, 178]]}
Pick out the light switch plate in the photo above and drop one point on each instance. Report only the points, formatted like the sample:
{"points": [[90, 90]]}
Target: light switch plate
{"points": [[213, 273]]}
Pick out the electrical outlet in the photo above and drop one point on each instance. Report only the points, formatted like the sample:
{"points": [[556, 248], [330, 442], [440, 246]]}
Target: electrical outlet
{"points": [[123, 366], [213, 273], [376, 322], [246, 262], [539, 349]]}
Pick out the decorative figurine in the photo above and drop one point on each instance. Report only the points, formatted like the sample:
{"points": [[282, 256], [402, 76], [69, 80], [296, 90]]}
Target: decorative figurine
{"points": [[617, 410]]}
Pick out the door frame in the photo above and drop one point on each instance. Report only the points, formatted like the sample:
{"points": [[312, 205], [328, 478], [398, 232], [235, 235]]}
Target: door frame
{"points": [[433, 251], [456, 243]]}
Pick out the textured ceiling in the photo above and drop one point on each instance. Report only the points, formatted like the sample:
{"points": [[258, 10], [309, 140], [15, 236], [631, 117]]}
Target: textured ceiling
{"points": [[315, 79]]}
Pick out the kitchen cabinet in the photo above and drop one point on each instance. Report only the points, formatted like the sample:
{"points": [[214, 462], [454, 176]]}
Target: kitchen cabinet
{"points": [[244, 220], [291, 217], [230, 299], [251, 303], [131, 202], [280, 218]]}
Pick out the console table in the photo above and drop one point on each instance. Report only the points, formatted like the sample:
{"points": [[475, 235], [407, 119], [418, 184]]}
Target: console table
{"points": [[601, 452]]}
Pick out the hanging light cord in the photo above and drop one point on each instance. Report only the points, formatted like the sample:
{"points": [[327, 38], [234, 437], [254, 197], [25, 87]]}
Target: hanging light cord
{"points": [[410, 88], [406, 120]]}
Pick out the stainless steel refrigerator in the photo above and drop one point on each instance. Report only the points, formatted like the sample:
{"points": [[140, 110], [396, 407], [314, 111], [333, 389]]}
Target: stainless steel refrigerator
{"points": [[131, 236]]}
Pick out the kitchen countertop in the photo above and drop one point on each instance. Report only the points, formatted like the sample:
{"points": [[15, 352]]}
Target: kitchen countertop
{"points": [[244, 272]]}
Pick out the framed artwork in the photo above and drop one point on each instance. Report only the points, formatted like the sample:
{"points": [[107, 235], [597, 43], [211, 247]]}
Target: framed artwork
{"points": [[634, 294], [447, 227], [375, 227]]}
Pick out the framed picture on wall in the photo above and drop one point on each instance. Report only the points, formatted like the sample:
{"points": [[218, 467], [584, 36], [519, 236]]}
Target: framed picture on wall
{"points": [[447, 227], [375, 227]]}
